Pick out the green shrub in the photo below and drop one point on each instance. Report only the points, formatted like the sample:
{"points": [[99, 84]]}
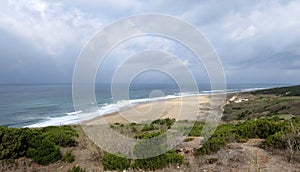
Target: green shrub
{"points": [[211, 145], [148, 128], [226, 132], [147, 135], [63, 136], [13, 142], [274, 141], [39, 144], [68, 157], [168, 122], [188, 139], [43, 151], [114, 162], [174, 158], [197, 129], [261, 128], [76, 168], [158, 162]]}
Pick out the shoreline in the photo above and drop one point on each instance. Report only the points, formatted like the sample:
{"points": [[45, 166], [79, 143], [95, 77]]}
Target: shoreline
{"points": [[72, 119], [180, 108]]}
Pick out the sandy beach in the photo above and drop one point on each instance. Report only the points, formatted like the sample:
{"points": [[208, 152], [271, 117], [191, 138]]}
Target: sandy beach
{"points": [[183, 108]]}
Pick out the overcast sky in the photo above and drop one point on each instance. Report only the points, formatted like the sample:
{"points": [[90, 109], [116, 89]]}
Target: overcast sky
{"points": [[257, 41]]}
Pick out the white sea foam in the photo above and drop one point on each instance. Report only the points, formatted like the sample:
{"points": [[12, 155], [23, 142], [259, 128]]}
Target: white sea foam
{"points": [[82, 115]]}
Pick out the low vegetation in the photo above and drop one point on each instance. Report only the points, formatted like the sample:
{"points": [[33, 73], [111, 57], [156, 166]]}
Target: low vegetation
{"points": [[42, 145], [281, 91], [278, 134], [114, 162], [271, 115], [68, 157], [77, 168]]}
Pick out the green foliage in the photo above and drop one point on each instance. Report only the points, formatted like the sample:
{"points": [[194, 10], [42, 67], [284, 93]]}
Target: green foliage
{"points": [[260, 128], [274, 141], [188, 139], [197, 129], [13, 142], [287, 138], [158, 162], [63, 135], [148, 128], [42, 145], [296, 119], [168, 122], [42, 150], [282, 91], [226, 132], [243, 114], [114, 162], [147, 135], [68, 157], [76, 168], [211, 145]]}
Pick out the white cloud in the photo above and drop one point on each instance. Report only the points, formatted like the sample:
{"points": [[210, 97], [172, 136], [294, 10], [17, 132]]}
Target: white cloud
{"points": [[50, 26], [241, 33]]}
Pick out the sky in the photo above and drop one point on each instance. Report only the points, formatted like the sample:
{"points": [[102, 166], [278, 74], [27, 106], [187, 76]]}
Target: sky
{"points": [[256, 41]]}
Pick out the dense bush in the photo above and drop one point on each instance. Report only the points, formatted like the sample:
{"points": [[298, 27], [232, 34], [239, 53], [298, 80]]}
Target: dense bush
{"points": [[168, 122], [211, 145], [226, 132], [63, 136], [274, 141], [261, 128], [13, 142], [68, 157], [158, 162], [42, 145], [287, 138], [114, 162], [148, 128], [42, 150], [279, 133]]}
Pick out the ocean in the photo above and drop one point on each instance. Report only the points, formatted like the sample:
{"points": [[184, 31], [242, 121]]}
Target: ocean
{"points": [[40, 105]]}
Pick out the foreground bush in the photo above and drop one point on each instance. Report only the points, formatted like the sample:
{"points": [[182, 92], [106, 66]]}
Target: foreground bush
{"points": [[43, 150], [211, 145], [277, 133], [114, 162], [13, 143], [159, 162], [261, 128], [42, 145], [63, 135]]}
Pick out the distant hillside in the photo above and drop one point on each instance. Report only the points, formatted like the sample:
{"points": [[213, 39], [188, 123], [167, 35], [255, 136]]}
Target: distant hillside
{"points": [[282, 91], [262, 103]]}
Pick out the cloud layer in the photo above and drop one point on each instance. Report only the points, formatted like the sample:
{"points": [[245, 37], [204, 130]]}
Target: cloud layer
{"points": [[257, 41]]}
